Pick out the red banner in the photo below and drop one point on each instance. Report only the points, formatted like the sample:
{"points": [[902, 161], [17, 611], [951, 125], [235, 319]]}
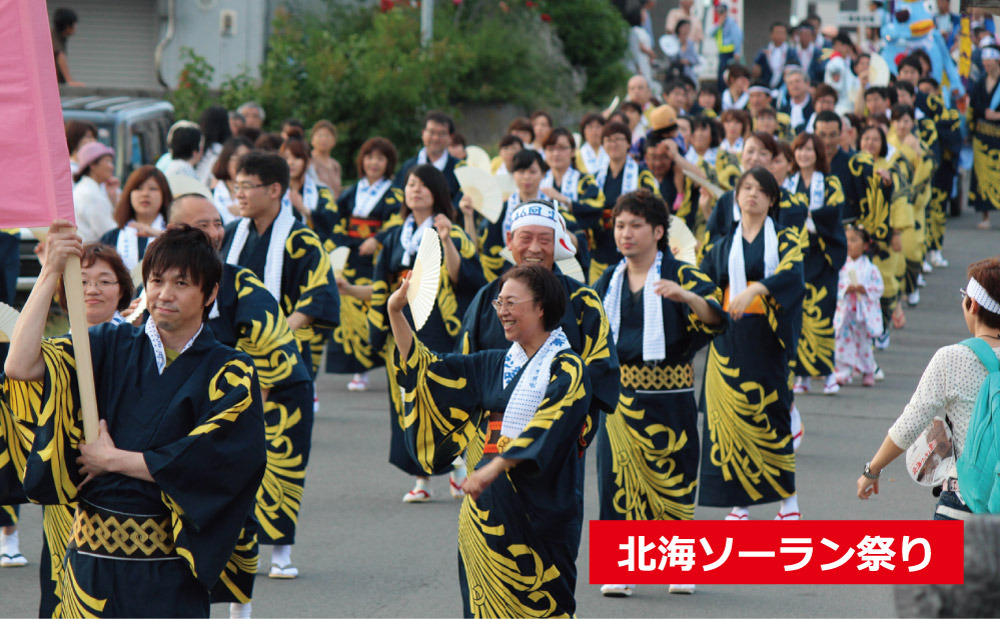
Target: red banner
{"points": [[805, 552], [34, 158]]}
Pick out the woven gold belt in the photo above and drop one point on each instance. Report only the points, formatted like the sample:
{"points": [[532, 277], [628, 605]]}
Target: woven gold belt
{"points": [[119, 536], [987, 128], [657, 377]]}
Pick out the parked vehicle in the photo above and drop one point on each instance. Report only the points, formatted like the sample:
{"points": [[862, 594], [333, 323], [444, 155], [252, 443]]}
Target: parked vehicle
{"points": [[135, 127]]}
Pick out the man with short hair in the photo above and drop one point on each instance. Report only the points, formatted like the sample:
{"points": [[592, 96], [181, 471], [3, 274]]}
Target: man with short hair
{"points": [[282, 252], [865, 202], [63, 27], [253, 115], [769, 65], [436, 135], [809, 52], [798, 104], [877, 101], [661, 312], [166, 486], [247, 318], [825, 98], [674, 95]]}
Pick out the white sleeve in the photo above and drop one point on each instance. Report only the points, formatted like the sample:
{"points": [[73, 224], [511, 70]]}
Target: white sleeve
{"points": [[934, 393]]}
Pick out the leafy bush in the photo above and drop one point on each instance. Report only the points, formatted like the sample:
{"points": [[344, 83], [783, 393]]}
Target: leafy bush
{"points": [[594, 38], [364, 69]]}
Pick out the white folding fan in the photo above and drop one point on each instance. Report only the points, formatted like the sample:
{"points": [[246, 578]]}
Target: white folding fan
{"points": [[425, 278], [338, 259], [137, 275], [570, 267], [484, 190], [8, 318], [476, 157], [506, 183], [133, 317], [682, 241]]}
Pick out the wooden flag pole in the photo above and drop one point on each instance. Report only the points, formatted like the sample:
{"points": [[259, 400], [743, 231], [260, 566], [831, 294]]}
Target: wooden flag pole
{"points": [[73, 286], [73, 283]]}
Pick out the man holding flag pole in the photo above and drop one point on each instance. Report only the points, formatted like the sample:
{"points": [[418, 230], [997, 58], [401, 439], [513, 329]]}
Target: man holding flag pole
{"points": [[157, 433]]}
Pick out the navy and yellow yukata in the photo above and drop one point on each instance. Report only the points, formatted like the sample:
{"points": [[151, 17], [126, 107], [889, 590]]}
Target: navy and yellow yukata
{"points": [[747, 456], [349, 350], [600, 226], [647, 451], [441, 330], [200, 427], [518, 543], [826, 254], [586, 328], [246, 317], [307, 284], [792, 213]]}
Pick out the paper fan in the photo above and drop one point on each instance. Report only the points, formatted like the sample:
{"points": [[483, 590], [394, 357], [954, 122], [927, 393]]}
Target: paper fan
{"points": [[614, 105], [133, 318], [484, 190], [506, 254], [425, 278], [571, 268], [715, 189], [506, 183], [136, 274], [682, 242], [477, 158], [8, 318], [878, 71], [338, 259]]}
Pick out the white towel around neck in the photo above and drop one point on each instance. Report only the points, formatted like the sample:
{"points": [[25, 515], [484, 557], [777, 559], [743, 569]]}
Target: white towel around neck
{"points": [[275, 261], [737, 264], [530, 388], [654, 347]]}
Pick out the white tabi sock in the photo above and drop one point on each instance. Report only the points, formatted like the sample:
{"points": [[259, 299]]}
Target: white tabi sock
{"points": [[422, 484], [789, 505], [796, 427], [239, 611], [741, 511], [9, 544], [281, 555]]}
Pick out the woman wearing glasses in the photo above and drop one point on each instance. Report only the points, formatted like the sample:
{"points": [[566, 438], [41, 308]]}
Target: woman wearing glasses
{"points": [[426, 209], [107, 290], [520, 523], [948, 388]]}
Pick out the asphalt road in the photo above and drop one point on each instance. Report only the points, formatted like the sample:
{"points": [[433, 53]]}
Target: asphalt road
{"points": [[362, 552]]}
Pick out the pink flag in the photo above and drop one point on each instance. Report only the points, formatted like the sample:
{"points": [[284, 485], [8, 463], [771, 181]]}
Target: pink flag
{"points": [[34, 158]]}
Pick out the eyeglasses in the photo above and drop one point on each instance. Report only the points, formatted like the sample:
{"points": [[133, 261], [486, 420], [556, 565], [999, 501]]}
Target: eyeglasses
{"points": [[559, 147], [100, 284], [248, 186], [500, 304]]}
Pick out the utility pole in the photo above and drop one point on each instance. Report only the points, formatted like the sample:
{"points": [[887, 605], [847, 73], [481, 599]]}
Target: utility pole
{"points": [[426, 22]]}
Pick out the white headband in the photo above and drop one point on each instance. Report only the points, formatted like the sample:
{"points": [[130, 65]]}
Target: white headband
{"points": [[990, 53], [541, 214], [983, 298]]}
